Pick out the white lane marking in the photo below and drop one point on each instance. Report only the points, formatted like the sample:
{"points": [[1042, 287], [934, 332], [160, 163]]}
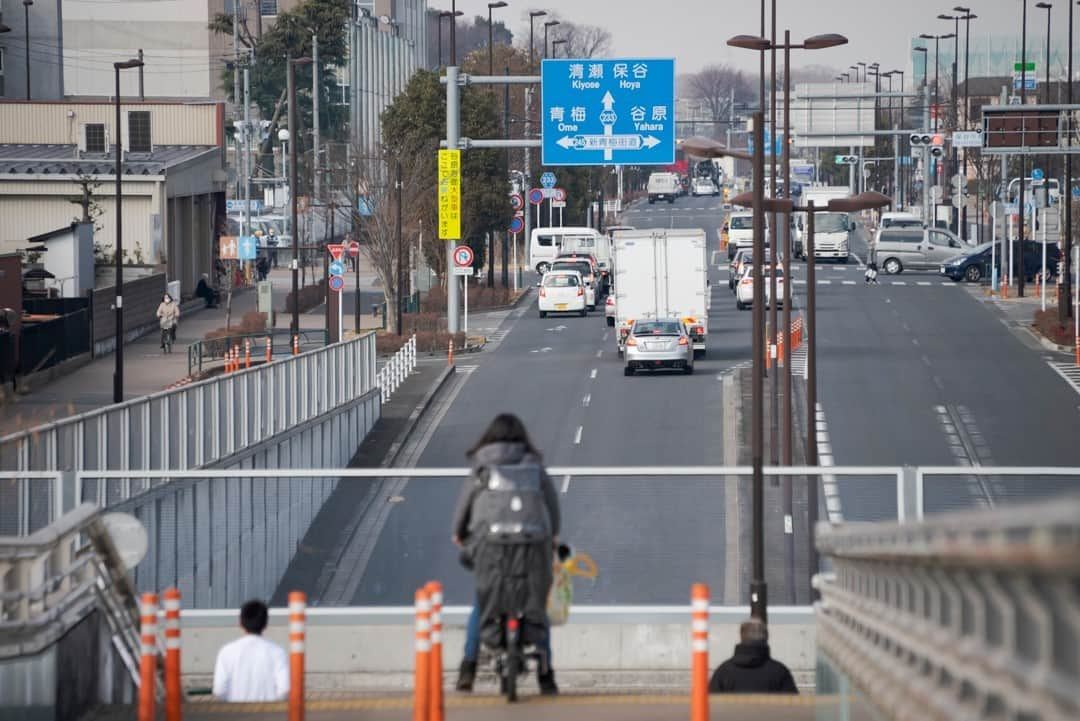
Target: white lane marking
{"points": [[825, 459], [939, 383], [915, 342], [905, 326], [586, 400], [592, 374], [848, 282], [899, 282], [926, 360], [824, 282], [577, 435], [605, 336], [799, 281], [924, 282], [1068, 371], [565, 484], [599, 353]]}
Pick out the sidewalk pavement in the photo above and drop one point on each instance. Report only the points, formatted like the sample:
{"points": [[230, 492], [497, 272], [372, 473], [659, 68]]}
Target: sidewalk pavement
{"points": [[570, 706], [146, 368]]}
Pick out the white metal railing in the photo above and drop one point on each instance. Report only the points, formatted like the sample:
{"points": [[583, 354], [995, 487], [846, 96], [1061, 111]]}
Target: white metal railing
{"points": [[201, 423], [397, 369], [969, 615]]}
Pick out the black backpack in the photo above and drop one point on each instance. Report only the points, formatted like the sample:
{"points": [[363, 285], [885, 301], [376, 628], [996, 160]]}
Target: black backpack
{"points": [[510, 500]]}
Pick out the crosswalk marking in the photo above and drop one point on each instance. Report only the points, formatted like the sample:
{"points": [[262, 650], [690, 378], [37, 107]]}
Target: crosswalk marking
{"points": [[1069, 371]]}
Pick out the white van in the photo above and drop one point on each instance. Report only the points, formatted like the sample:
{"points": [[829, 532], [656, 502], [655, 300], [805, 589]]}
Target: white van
{"points": [[546, 243], [740, 230], [663, 186]]}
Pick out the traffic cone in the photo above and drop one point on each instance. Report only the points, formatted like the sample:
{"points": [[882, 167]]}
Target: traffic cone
{"points": [[296, 345], [450, 353]]}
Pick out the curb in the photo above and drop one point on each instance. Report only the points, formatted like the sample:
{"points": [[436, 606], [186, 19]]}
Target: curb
{"points": [[1047, 343], [414, 417]]}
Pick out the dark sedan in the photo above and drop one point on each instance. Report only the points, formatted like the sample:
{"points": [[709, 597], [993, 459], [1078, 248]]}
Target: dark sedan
{"points": [[974, 265]]}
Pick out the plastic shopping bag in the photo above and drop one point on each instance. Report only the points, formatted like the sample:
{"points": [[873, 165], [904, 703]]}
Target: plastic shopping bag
{"points": [[562, 587]]}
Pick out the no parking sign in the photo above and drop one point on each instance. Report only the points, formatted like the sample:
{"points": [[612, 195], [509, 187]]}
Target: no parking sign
{"points": [[536, 196]]}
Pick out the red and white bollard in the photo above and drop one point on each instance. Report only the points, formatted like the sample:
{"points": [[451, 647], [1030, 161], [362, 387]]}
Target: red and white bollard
{"points": [[296, 345], [435, 682], [422, 669], [148, 653], [269, 349], [450, 353], [297, 618], [173, 692], [699, 649], [247, 352]]}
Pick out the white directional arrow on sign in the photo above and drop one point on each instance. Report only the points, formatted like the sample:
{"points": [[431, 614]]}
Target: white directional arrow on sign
{"points": [[607, 143], [607, 117]]}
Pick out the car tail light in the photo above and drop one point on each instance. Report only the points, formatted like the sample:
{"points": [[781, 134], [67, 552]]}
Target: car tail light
{"points": [[543, 293], [683, 340], [609, 301], [580, 290], [698, 330], [747, 281], [631, 341]]}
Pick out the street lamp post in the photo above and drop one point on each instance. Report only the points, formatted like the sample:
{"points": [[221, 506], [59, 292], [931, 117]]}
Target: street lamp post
{"points": [[118, 303], [533, 14], [491, 36], [446, 14], [925, 124], [548, 24], [294, 139], [1023, 158], [26, 31], [1066, 277], [967, 17], [554, 50], [1046, 91]]}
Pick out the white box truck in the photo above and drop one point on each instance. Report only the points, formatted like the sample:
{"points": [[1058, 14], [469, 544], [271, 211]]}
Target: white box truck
{"points": [[832, 231], [662, 274]]}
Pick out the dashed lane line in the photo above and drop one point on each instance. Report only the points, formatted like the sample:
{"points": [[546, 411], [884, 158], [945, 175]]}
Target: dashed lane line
{"points": [[592, 374], [577, 435]]}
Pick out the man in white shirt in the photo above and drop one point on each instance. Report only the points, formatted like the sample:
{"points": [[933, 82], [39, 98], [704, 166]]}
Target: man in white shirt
{"points": [[252, 668]]}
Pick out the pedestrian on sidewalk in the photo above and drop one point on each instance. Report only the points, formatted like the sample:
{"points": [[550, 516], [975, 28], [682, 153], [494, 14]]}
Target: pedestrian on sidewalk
{"points": [[252, 668], [871, 265], [207, 293], [750, 669], [168, 314]]}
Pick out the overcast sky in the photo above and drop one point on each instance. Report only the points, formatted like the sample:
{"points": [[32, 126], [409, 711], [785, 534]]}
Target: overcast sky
{"points": [[695, 31]]}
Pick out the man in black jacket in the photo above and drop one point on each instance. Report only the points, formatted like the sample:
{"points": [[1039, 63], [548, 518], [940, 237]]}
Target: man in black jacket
{"points": [[750, 669]]}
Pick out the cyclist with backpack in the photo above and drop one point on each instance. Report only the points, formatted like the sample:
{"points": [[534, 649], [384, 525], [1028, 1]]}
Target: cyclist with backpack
{"points": [[507, 524]]}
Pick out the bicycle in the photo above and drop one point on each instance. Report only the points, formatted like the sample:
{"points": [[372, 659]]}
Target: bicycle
{"points": [[168, 337], [511, 659]]}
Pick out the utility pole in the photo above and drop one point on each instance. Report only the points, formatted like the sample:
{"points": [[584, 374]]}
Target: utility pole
{"points": [[142, 96], [247, 152], [453, 138], [236, 56], [315, 93], [527, 181], [506, 132]]}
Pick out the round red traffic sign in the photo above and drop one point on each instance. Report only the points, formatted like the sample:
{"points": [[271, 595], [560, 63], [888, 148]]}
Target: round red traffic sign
{"points": [[516, 201], [336, 283], [560, 194], [536, 196], [354, 249], [463, 256]]}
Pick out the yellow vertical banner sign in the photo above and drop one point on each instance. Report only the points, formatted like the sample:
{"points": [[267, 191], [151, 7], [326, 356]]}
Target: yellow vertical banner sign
{"points": [[450, 194]]}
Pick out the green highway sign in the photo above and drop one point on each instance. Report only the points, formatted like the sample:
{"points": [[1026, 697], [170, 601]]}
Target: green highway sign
{"points": [[1019, 67]]}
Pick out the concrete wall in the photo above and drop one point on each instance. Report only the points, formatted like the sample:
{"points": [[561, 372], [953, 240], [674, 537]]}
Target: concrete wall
{"points": [[607, 647], [60, 123]]}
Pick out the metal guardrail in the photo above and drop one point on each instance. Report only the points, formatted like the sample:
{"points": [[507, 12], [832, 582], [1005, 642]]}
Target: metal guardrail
{"points": [[397, 369], [197, 424], [971, 615], [281, 340]]}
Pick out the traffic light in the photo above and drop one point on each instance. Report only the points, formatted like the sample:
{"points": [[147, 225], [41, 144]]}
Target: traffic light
{"points": [[919, 140], [937, 146], [846, 159]]}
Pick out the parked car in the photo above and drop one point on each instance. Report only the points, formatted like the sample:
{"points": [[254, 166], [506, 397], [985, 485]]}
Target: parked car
{"points": [[609, 310], [657, 345], [704, 186], [975, 265], [562, 292]]}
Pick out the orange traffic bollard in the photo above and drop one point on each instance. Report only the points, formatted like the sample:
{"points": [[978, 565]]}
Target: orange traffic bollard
{"points": [[450, 353], [1004, 288], [247, 353], [173, 692], [148, 653], [297, 614], [269, 349], [1078, 351], [699, 648], [435, 680], [421, 697], [296, 345]]}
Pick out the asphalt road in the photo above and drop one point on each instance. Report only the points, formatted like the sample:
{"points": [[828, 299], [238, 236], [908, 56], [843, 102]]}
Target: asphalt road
{"points": [[563, 377]]}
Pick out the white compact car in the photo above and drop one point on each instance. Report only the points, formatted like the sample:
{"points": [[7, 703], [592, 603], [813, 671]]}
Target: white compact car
{"points": [[562, 292], [744, 290], [703, 186], [609, 310]]}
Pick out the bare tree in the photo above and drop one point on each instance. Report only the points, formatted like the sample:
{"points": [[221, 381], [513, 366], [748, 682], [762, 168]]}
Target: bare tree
{"points": [[713, 86], [582, 41]]}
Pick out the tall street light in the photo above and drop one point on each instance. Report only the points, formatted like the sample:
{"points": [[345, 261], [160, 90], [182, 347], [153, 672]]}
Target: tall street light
{"points": [[862, 65], [533, 14], [547, 25], [955, 104], [491, 36], [1066, 281], [442, 15], [1023, 158], [26, 28], [555, 49], [816, 42], [937, 68], [118, 303], [967, 17], [1046, 7], [294, 139], [856, 69]]}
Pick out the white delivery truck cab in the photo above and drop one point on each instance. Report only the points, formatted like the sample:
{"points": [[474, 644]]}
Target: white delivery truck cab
{"points": [[663, 186], [546, 243], [662, 274], [832, 231]]}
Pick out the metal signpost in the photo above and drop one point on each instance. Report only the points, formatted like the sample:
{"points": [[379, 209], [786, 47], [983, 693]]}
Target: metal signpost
{"points": [[603, 112], [462, 257], [337, 282]]}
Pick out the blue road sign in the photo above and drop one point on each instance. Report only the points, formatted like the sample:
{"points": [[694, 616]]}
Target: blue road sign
{"points": [[547, 180], [1037, 174], [602, 112], [336, 283], [770, 148], [247, 247], [1076, 191], [516, 225], [536, 196], [337, 268], [1030, 82]]}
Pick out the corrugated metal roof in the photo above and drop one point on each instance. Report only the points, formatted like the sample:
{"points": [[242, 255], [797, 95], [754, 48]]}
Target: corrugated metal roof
{"points": [[65, 160]]}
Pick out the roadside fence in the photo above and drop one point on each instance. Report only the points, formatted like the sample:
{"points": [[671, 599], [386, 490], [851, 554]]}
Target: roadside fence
{"points": [[397, 369]]}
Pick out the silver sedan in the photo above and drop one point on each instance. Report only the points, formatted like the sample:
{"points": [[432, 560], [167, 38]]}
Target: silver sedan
{"points": [[659, 344]]}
